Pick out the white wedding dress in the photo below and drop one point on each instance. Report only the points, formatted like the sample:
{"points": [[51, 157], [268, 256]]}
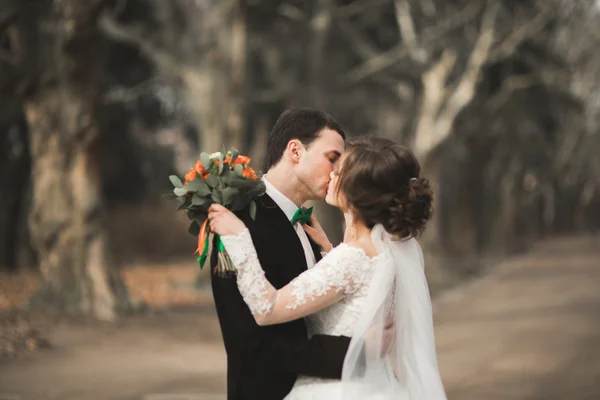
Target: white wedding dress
{"points": [[338, 297], [339, 319]]}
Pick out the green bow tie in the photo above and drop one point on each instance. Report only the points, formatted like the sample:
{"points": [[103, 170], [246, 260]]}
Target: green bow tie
{"points": [[302, 215]]}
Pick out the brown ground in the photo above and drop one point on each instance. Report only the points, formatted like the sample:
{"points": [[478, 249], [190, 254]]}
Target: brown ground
{"points": [[529, 330]]}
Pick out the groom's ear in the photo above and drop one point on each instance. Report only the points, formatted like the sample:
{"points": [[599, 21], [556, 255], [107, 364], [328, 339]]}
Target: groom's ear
{"points": [[295, 149]]}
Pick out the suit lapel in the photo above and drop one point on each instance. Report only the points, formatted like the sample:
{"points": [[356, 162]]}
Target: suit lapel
{"points": [[273, 234], [269, 203]]}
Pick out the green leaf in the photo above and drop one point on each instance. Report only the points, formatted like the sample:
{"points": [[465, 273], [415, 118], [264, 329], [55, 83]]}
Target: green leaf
{"points": [[205, 160], [244, 183], [198, 200], [257, 190], [212, 181], [184, 203], [221, 163], [234, 155], [198, 186], [252, 210], [228, 176], [217, 198], [180, 191], [175, 181], [239, 169], [238, 203], [223, 149], [194, 228], [229, 195]]}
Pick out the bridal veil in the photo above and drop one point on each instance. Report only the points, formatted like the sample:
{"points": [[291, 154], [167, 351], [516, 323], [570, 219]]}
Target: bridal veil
{"points": [[399, 290]]}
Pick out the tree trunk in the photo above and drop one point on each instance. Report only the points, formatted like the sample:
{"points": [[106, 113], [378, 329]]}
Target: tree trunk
{"points": [[66, 216], [14, 172]]}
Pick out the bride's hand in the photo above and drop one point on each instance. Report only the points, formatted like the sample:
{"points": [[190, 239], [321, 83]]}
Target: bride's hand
{"points": [[223, 222], [317, 234]]}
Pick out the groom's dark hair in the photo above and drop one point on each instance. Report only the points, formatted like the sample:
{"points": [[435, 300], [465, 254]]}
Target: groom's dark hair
{"points": [[303, 124]]}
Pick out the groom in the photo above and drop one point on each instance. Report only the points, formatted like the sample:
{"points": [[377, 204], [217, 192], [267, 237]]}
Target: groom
{"points": [[264, 362]]}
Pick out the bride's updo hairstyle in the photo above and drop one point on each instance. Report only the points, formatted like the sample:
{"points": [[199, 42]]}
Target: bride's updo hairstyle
{"points": [[381, 185]]}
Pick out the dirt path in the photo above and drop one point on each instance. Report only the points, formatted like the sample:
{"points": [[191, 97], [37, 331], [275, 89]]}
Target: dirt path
{"points": [[530, 330]]}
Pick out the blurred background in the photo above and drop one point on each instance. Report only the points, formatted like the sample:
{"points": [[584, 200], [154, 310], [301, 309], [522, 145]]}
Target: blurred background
{"points": [[101, 100]]}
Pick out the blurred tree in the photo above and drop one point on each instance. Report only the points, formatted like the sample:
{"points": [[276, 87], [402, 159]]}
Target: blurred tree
{"points": [[15, 165], [57, 53], [499, 99], [200, 49]]}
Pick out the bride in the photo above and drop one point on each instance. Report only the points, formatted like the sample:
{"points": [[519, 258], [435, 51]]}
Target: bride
{"points": [[374, 276]]}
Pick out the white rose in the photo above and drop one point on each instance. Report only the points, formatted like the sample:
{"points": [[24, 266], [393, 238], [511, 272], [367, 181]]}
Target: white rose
{"points": [[215, 156]]}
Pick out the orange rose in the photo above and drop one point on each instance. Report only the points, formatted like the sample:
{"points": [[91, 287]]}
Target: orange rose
{"points": [[242, 160], [199, 168], [249, 173], [190, 176]]}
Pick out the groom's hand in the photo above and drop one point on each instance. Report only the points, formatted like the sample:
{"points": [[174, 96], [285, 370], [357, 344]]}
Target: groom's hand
{"points": [[223, 222]]}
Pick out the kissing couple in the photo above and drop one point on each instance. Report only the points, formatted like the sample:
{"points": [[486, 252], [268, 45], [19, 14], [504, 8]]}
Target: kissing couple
{"points": [[302, 319]]}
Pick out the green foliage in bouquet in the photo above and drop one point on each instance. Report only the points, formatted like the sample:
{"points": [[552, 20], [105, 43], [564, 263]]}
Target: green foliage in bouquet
{"points": [[224, 178]]}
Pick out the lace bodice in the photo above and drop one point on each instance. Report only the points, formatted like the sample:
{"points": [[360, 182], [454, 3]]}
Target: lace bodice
{"points": [[330, 295], [339, 280]]}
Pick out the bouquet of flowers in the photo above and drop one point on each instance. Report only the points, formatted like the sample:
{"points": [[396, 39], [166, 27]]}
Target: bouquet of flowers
{"points": [[226, 178]]}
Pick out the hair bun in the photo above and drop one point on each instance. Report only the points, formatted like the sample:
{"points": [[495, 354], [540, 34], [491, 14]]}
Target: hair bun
{"points": [[409, 213]]}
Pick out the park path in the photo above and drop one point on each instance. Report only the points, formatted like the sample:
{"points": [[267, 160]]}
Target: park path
{"points": [[529, 330]]}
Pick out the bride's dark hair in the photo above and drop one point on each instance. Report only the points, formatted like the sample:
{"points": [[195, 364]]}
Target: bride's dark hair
{"points": [[381, 183]]}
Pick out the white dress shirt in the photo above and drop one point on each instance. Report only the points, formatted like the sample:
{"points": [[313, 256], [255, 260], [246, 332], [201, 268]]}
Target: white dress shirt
{"points": [[289, 208]]}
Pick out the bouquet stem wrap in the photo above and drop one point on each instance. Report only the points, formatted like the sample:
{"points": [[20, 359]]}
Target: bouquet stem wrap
{"points": [[224, 266]]}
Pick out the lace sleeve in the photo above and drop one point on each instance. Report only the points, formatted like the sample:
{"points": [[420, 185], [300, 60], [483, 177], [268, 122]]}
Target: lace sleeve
{"points": [[339, 273]]}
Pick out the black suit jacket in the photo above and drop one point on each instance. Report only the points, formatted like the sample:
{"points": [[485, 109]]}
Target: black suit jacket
{"points": [[264, 362]]}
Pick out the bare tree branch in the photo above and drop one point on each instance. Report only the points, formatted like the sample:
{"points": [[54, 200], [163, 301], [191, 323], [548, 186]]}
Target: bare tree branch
{"points": [[124, 95], [358, 7], [292, 12], [566, 149], [509, 86], [430, 134], [428, 7], [400, 52], [524, 31], [133, 35], [320, 24], [365, 49], [407, 29], [465, 90], [434, 94], [548, 78], [359, 43]]}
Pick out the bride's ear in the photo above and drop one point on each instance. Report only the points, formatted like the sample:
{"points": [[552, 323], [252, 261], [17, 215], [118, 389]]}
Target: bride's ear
{"points": [[294, 150]]}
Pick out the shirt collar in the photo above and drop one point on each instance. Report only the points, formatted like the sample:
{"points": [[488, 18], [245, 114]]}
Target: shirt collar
{"points": [[287, 206]]}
